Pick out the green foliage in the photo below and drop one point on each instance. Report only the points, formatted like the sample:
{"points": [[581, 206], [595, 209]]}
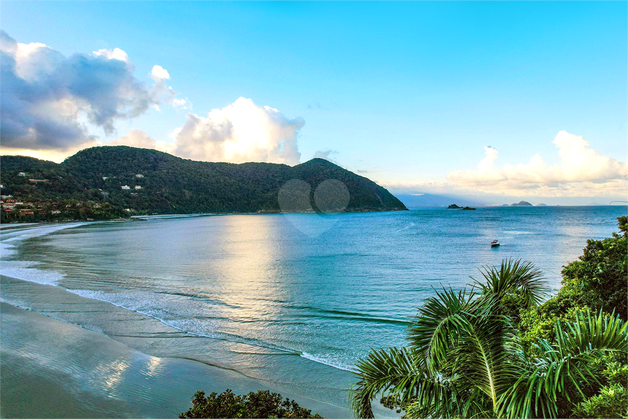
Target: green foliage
{"points": [[564, 369], [598, 278], [169, 184], [462, 356], [597, 281], [62, 210], [260, 404], [609, 403], [473, 354]]}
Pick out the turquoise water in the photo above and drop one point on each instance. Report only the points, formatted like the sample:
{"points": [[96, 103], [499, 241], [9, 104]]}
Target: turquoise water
{"points": [[293, 300]]}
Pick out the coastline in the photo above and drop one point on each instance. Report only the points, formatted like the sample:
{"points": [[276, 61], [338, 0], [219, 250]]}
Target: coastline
{"points": [[73, 372], [203, 214]]}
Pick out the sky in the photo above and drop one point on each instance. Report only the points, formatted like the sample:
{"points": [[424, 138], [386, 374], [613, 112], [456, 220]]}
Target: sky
{"points": [[495, 100]]}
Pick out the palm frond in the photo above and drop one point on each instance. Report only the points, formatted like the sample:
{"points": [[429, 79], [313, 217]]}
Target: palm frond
{"points": [[565, 363], [513, 275], [439, 322], [393, 372]]}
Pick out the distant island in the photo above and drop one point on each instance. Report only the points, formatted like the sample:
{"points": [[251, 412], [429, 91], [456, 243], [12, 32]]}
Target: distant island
{"points": [[454, 206], [118, 181], [519, 204]]}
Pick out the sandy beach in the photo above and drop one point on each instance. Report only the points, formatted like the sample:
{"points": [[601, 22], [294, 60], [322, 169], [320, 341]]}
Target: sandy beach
{"points": [[51, 368]]}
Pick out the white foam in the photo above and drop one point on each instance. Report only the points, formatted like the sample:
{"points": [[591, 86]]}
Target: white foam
{"points": [[27, 270], [6, 250], [138, 301], [37, 230], [326, 361], [144, 304]]}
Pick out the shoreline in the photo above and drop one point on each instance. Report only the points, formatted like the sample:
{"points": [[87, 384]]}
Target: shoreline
{"points": [[270, 212], [152, 337], [66, 368], [203, 214]]}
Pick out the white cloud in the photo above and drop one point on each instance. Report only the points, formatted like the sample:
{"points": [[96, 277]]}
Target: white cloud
{"points": [[181, 103], [159, 73], [160, 92], [240, 132], [137, 138], [48, 100], [113, 54], [48, 154], [581, 171]]}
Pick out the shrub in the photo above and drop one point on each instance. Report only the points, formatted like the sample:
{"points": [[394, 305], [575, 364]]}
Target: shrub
{"points": [[259, 404]]}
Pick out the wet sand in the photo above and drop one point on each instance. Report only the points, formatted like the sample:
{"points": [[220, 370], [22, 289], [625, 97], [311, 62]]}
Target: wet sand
{"points": [[51, 368]]}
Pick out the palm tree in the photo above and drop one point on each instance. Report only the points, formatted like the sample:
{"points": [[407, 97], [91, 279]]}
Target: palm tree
{"points": [[464, 360]]}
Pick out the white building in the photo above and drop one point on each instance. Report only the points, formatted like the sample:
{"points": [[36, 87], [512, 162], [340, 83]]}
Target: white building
{"points": [[125, 187]]}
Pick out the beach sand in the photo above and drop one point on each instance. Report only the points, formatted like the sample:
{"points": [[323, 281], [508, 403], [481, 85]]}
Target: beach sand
{"points": [[51, 368]]}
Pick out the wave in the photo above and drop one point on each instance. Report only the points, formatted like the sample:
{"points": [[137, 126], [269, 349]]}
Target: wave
{"points": [[145, 304], [326, 361], [187, 327], [139, 305], [27, 270], [348, 315]]}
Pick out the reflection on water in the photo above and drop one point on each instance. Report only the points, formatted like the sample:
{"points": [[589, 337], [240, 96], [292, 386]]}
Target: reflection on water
{"points": [[111, 374], [247, 276], [261, 284]]}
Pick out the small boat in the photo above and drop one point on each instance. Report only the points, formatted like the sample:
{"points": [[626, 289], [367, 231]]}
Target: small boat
{"points": [[495, 243]]}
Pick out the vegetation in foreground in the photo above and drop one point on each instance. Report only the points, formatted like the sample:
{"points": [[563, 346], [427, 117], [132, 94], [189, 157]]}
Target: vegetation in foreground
{"points": [[495, 350], [259, 404]]}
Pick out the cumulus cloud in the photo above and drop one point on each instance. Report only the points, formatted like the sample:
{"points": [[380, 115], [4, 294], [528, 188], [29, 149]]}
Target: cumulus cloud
{"points": [[138, 138], [159, 73], [47, 99], [582, 170], [240, 132], [113, 54]]}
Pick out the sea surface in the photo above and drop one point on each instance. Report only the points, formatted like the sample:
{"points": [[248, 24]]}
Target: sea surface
{"points": [[290, 300]]}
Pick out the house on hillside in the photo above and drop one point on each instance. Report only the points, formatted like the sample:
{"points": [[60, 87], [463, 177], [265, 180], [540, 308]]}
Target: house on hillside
{"points": [[125, 187]]}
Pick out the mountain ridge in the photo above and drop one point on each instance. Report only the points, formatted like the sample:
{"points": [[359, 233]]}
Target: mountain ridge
{"points": [[145, 181]]}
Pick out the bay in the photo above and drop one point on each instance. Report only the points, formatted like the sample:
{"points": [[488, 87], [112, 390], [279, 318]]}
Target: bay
{"points": [[291, 300]]}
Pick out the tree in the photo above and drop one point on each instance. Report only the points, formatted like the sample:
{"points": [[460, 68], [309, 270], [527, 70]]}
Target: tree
{"points": [[259, 404], [597, 281], [598, 278], [464, 358]]}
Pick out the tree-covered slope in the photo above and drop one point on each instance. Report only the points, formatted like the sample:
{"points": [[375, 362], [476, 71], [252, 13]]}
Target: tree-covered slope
{"points": [[149, 181]]}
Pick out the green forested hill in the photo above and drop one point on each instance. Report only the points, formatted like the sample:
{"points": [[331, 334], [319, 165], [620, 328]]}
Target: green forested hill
{"points": [[161, 183]]}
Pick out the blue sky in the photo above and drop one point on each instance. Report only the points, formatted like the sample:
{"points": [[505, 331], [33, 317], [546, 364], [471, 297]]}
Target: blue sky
{"points": [[407, 93]]}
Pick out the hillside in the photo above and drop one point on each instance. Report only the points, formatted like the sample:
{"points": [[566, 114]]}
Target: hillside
{"points": [[148, 181]]}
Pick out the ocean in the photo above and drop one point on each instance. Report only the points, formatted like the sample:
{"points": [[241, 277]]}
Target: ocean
{"points": [[289, 300]]}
